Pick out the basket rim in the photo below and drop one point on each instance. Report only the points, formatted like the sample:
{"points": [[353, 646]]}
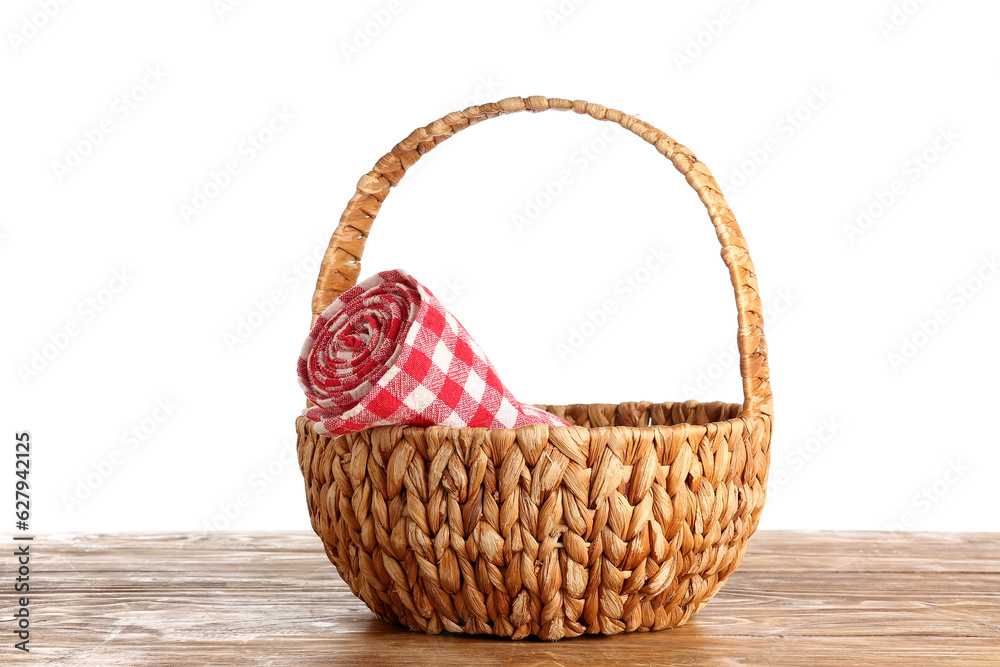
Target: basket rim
{"points": [[742, 418]]}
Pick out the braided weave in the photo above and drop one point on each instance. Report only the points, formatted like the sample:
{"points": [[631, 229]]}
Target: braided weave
{"points": [[630, 519]]}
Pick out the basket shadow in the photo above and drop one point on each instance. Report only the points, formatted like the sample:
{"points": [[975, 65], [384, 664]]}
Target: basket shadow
{"points": [[685, 634]]}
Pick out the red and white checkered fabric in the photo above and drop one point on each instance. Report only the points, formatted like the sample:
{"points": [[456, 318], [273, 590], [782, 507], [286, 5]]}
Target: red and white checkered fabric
{"points": [[387, 352]]}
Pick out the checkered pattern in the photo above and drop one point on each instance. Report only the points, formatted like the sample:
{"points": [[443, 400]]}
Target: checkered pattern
{"points": [[387, 352]]}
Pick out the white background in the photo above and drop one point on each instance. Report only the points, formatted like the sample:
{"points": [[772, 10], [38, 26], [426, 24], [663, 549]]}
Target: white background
{"points": [[807, 112]]}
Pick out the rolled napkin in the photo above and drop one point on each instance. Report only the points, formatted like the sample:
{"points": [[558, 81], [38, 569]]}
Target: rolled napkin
{"points": [[387, 352]]}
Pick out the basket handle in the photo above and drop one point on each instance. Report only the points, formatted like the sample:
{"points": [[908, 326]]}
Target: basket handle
{"points": [[341, 263]]}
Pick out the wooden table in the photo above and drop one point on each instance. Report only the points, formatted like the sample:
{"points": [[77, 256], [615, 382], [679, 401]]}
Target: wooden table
{"points": [[800, 598]]}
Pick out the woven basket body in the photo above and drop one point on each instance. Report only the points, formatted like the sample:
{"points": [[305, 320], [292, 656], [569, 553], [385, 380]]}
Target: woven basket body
{"points": [[630, 519]]}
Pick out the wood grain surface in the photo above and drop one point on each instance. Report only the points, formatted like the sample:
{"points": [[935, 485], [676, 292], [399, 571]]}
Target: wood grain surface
{"points": [[801, 598]]}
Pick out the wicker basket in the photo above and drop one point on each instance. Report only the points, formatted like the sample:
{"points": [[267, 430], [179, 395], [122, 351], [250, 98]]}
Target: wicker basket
{"points": [[629, 520]]}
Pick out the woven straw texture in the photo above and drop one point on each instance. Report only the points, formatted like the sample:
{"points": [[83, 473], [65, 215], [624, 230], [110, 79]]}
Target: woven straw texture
{"points": [[630, 519]]}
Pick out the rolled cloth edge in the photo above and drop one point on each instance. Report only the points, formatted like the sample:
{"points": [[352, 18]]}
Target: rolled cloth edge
{"points": [[387, 352]]}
